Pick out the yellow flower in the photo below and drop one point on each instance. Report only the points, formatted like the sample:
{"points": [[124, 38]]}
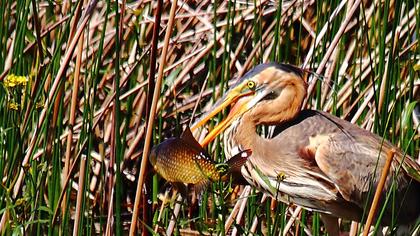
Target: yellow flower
{"points": [[13, 106], [281, 176], [39, 105], [15, 80]]}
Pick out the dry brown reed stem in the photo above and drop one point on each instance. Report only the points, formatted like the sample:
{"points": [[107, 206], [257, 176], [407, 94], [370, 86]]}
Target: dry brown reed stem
{"points": [[113, 134], [70, 141], [256, 49], [37, 81], [80, 193], [382, 92], [109, 218], [37, 31], [240, 204], [116, 127], [366, 67], [164, 202], [378, 191], [254, 225], [177, 208], [322, 33], [3, 221], [328, 75], [192, 63], [200, 95], [354, 228], [333, 45], [292, 220], [73, 108], [40, 70], [100, 113], [344, 67], [147, 105], [366, 101], [66, 182], [234, 212], [151, 119], [241, 209], [9, 58]]}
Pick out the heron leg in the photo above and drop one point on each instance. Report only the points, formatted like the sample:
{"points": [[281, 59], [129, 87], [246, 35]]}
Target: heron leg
{"points": [[331, 224]]}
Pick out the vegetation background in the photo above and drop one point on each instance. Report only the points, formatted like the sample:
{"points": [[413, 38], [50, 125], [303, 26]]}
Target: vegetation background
{"points": [[76, 100]]}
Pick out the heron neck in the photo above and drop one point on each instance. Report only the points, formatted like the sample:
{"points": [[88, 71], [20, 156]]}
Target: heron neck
{"points": [[280, 112], [284, 108], [246, 135]]}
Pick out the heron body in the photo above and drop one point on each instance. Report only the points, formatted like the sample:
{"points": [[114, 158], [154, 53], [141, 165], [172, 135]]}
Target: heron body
{"points": [[314, 159], [326, 164]]}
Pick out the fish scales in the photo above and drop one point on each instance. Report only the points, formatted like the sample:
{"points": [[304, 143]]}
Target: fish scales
{"points": [[184, 160], [178, 162]]}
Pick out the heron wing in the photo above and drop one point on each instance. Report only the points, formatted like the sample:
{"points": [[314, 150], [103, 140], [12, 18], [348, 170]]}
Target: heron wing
{"points": [[354, 162], [339, 153], [348, 164]]}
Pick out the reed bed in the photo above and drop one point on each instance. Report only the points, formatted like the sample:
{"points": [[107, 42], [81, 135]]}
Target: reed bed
{"points": [[87, 87]]}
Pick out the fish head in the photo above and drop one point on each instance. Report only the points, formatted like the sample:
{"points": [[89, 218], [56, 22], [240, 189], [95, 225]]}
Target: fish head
{"points": [[153, 156]]}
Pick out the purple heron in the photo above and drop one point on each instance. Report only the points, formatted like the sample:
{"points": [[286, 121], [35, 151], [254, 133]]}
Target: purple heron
{"points": [[315, 160]]}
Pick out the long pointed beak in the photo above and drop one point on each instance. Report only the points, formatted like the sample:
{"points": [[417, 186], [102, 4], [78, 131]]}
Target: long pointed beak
{"points": [[219, 128], [231, 97]]}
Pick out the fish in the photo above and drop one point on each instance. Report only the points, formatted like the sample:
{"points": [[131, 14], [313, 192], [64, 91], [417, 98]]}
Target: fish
{"points": [[183, 160]]}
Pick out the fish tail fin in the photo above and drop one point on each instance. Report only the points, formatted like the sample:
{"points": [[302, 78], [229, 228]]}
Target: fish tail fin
{"points": [[232, 167], [237, 161]]}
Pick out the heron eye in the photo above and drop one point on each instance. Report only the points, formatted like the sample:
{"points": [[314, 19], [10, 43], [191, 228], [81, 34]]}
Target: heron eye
{"points": [[251, 84]]}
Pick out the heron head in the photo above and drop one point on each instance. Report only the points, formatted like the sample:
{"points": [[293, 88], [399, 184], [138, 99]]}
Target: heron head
{"points": [[264, 93]]}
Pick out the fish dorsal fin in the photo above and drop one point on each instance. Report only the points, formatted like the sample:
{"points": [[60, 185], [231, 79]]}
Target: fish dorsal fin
{"points": [[188, 137], [237, 161]]}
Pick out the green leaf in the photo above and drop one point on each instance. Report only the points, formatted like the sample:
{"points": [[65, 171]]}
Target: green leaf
{"points": [[407, 114], [170, 80]]}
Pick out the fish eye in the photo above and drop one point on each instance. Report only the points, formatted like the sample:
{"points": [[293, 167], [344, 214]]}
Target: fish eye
{"points": [[251, 84]]}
